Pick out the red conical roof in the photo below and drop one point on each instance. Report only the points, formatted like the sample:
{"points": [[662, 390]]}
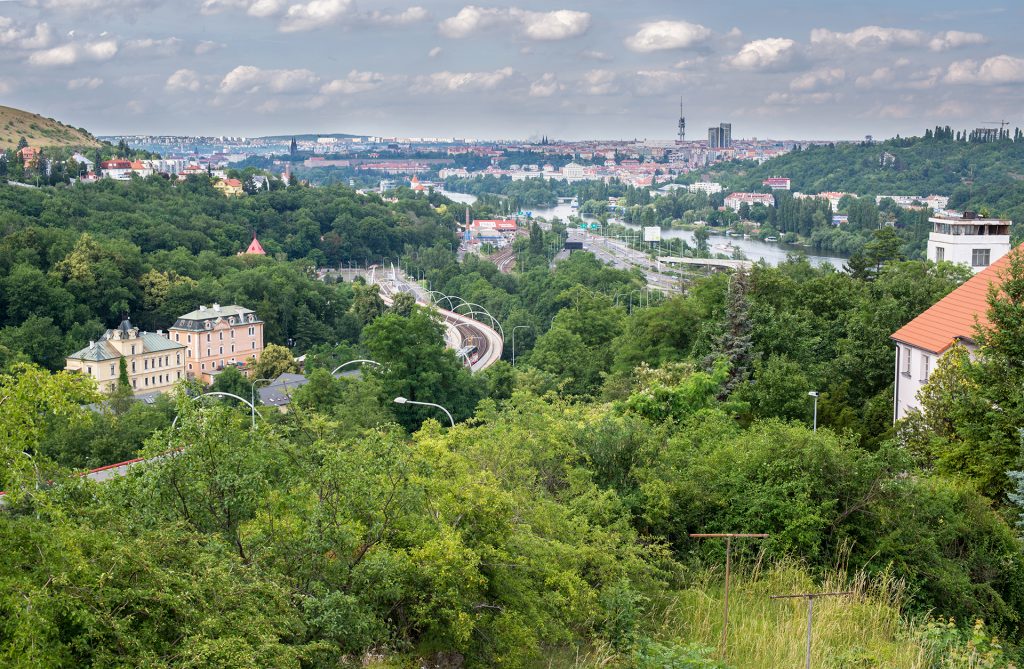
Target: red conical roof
{"points": [[255, 247]]}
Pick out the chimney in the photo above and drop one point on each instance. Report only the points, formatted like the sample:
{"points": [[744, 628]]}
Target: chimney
{"points": [[216, 307], [92, 344], [160, 332], [201, 307]]}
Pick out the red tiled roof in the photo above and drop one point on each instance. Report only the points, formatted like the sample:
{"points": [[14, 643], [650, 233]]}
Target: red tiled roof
{"points": [[234, 183], [954, 316]]}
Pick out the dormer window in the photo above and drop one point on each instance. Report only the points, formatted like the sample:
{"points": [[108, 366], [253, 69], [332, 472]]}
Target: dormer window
{"points": [[231, 319], [252, 318]]}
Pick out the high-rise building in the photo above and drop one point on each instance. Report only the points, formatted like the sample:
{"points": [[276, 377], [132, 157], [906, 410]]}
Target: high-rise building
{"points": [[726, 135]]}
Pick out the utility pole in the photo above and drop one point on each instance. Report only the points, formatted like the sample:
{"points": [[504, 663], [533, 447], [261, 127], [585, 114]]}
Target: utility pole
{"points": [[729, 536], [810, 597]]}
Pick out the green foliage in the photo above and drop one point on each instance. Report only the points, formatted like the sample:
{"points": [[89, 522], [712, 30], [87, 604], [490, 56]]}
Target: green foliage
{"points": [[274, 361]]}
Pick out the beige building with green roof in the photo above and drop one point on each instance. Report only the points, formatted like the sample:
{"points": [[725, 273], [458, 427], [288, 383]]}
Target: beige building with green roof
{"points": [[155, 363]]}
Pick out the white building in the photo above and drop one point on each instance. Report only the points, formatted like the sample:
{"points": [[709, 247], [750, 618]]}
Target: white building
{"points": [[735, 200], [968, 240], [573, 172], [923, 341], [709, 187]]}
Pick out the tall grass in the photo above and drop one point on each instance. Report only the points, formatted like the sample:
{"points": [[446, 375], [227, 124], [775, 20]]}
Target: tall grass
{"points": [[864, 629]]}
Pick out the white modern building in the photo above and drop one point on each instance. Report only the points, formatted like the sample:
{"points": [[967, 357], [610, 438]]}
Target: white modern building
{"points": [[709, 187], [967, 239], [923, 341], [735, 200]]}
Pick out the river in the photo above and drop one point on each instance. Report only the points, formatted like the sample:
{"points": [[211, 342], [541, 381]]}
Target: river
{"points": [[753, 249]]}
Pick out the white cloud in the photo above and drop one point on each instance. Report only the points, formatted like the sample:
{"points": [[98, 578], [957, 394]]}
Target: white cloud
{"points": [[10, 33], [662, 35], [451, 82], [184, 80], [434, 52], [545, 87], [810, 81], [161, 47], [594, 54], [556, 25], [996, 70], [39, 39], [600, 82], [868, 37], [206, 46], [545, 26], [879, 77], [314, 14], [658, 82], [764, 54], [95, 6], [102, 50], [90, 83], [953, 39], [249, 79], [413, 14], [258, 8], [6, 86], [66, 54], [797, 99], [355, 82]]}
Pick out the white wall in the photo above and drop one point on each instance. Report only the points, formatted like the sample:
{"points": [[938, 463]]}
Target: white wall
{"points": [[910, 378], [959, 248]]}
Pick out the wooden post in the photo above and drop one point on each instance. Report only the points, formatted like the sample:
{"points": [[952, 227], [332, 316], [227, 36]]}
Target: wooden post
{"points": [[728, 564], [810, 597]]}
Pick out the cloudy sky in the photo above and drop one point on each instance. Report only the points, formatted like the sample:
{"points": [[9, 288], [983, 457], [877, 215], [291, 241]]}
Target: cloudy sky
{"points": [[569, 69]]}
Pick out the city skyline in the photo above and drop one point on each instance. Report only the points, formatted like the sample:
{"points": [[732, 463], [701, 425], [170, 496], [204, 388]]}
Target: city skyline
{"points": [[570, 70]]}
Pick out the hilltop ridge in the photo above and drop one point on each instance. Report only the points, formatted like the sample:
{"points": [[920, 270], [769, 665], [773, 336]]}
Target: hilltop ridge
{"points": [[39, 130]]}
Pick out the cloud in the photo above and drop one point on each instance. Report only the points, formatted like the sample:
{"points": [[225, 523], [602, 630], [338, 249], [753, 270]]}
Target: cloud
{"points": [[453, 82], [6, 86], [663, 35], [160, 47], [248, 79], [206, 46], [954, 39], [868, 37], [10, 33], [184, 80], [69, 54], [600, 82], [257, 8], [413, 14], [314, 14], [764, 54], [95, 6], [90, 83], [810, 81], [355, 82], [544, 26], [434, 52], [799, 99], [594, 54], [545, 87], [996, 70], [658, 82], [879, 77]]}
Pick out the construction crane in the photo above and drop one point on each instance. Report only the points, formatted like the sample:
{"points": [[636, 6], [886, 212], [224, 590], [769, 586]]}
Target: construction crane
{"points": [[1002, 124]]}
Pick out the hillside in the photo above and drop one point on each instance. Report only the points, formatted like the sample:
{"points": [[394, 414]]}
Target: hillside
{"points": [[975, 175], [39, 131]]}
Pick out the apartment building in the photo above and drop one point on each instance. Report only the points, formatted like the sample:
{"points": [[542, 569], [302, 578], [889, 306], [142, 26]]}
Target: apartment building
{"points": [[154, 362], [217, 336]]}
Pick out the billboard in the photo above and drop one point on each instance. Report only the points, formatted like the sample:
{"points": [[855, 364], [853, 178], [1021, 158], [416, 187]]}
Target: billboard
{"points": [[652, 233]]}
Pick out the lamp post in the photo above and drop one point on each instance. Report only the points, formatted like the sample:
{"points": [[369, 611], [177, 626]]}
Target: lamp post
{"points": [[814, 394], [514, 341], [402, 400], [252, 392], [353, 362]]}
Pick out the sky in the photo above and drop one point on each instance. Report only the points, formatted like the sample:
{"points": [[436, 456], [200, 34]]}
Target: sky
{"points": [[800, 69]]}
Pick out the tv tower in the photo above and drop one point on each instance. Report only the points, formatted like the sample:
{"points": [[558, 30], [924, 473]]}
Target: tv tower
{"points": [[682, 122]]}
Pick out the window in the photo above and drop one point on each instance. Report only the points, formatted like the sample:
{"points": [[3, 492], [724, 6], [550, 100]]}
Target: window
{"points": [[221, 350], [232, 348], [88, 369], [252, 331], [207, 353], [179, 374], [145, 381], [924, 366], [980, 257], [190, 366], [133, 366], [177, 359], [133, 349], [940, 253], [176, 337], [905, 360], [222, 336], [202, 366], [254, 346], [189, 337], [111, 370], [134, 384], [207, 337], [232, 334], [145, 364], [167, 360]]}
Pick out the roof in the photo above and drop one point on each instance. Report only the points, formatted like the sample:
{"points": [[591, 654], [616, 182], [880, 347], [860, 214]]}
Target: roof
{"points": [[194, 320], [953, 317], [255, 248], [102, 350]]}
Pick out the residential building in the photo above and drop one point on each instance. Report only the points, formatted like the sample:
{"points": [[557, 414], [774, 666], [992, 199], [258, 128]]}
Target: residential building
{"points": [[923, 341], [29, 156], [573, 171], [154, 362], [217, 336], [967, 239], [118, 169], [777, 183], [230, 187], [709, 187], [735, 200]]}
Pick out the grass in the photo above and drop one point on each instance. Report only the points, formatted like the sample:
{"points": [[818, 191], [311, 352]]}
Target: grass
{"points": [[38, 131]]}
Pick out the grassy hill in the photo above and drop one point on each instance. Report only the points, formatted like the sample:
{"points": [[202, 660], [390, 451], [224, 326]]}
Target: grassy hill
{"points": [[39, 131]]}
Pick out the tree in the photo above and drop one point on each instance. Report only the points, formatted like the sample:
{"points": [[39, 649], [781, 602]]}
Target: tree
{"points": [[403, 304], [366, 303], [230, 380], [274, 361]]}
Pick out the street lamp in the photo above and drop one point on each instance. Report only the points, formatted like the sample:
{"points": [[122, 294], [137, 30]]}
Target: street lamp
{"points": [[252, 391], [814, 394], [353, 362], [514, 341], [402, 400]]}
